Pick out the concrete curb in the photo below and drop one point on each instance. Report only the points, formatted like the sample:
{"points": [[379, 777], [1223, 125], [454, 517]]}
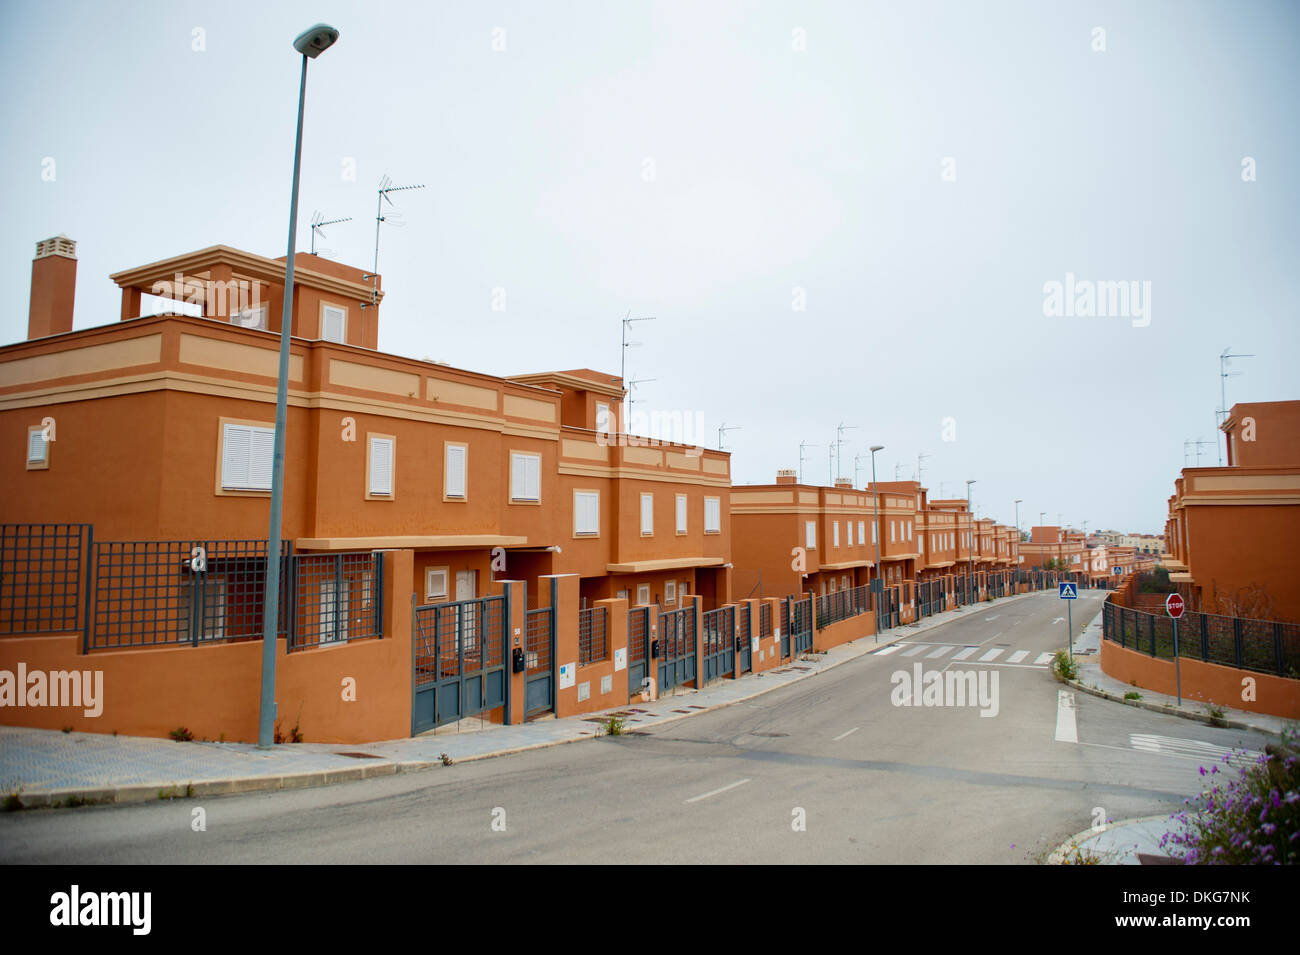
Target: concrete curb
{"points": [[1057, 855], [1171, 709], [138, 793]]}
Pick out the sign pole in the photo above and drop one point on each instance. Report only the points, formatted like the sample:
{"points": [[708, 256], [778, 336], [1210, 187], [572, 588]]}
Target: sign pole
{"points": [[1069, 628], [1178, 674]]}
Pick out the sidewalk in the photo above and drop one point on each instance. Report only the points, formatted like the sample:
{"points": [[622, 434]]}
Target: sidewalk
{"points": [[52, 768], [1118, 843]]}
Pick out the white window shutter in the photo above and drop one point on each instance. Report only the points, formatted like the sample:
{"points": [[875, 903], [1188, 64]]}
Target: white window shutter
{"points": [[455, 471], [712, 514], [647, 514], [534, 478], [332, 324], [517, 477], [235, 446], [261, 458], [681, 513], [35, 446], [381, 466]]}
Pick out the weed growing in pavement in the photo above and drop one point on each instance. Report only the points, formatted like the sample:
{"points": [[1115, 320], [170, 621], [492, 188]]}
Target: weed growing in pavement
{"points": [[1132, 695], [182, 734], [1063, 667], [446, 760], [67, 729], [1215, 713], [614, 726], [14, 801]]}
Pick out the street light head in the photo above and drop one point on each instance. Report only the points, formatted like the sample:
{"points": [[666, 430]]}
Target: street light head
{"points": [[877, 447], [969, 482], [316, 40]]}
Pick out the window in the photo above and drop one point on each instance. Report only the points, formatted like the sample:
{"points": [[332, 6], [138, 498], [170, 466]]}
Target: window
{"points": [[379, 469], [38, 449], [920, 543], [435, 584], [810, 534], [909, 530], [891, 532], [844, 582], [862, 537], [454, 478], [848, 529], [246, 456], [713, 515], [873, 532], [670, 592], [647, 515], [835, 533], [604, 423], [333, 323], [643, 593], [681, 513], [525, 477], [586, 513], [832, 585]]}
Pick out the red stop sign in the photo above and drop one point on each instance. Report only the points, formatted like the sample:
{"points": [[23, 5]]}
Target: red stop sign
{"points": [[1174, 605]]}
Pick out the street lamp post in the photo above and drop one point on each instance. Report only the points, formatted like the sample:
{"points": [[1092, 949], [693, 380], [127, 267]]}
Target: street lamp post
{"points": [[1019, 501], [875, 534], [310, 44], [970, 541]]}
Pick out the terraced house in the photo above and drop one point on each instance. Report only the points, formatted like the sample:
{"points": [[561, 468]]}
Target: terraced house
{"points": [[136, 497]]}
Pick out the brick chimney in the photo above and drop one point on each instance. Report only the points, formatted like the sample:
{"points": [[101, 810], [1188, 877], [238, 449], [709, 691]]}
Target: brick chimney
{"points": [[786, 476], [54, 283]]}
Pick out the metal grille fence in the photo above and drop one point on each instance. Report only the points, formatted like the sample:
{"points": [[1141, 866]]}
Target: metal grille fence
{"points": [[637, 619], [537, 640], [764, 620], [743, 623], [43, 570], [716, 629], [593, 638], [155, 593], [832, 608], [1264, 646], [336, 598], [457, 638]]}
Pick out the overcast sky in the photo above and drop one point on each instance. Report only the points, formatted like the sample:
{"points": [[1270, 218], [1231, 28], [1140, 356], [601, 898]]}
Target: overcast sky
{"points": [[838, 212]]}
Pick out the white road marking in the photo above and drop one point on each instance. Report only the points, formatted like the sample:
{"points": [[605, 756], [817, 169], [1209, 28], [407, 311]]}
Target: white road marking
{"points": [[919, 648], [965, 653], [1187, 748], [1067, 728], [991, 655], [892, 648], [1017, 656], [1043, 658], [844, 734], [1059, 620], [938, 652], [739, 782], [994, 617]]}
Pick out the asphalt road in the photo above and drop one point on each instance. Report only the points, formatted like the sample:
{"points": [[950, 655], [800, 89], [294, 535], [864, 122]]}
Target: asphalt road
{"points": [[871, 781]]}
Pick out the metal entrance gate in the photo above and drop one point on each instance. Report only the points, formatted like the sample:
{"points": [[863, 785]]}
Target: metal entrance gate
{"points": [[744, 641], [638, 648], [785, 628], [676, 648], [718, 636], [459, 656], [539, 657], [800, 625]]}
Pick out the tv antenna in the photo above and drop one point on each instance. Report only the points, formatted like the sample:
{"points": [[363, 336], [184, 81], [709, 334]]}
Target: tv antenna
{"points": [[1224, 359], [631, 401], [840, 442], [723, 429], [919, 470], [318, 223], [628, 320], [802, 445], [393, 218]]}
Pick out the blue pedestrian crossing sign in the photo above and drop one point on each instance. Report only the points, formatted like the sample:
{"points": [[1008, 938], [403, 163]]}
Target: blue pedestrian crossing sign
{"points": [[1068, 591], [1117, 570]]}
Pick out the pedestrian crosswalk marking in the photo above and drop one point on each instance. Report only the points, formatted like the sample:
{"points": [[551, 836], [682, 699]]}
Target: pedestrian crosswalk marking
{"points": [[1017, 656], [938, 652], [965, 653], [995, 656], [919, 648], [1043, 658], [991, 655], [892, 648]]}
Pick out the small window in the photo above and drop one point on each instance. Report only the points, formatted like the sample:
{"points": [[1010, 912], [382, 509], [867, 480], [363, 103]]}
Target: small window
{"points": [[831, 586], [604, 422], [835, 534], [250, 317], [380, 467], [848, 529], [38, 448], [873, 532], [647, 515], [643, 594], [525, 477], [333, 323], [810, 534], [435, 584], [713, 515], [454, 480], [586, 513], [891, 532], [681, 513], [909, 530], [862, 537], [670, 592], [247, 454]]}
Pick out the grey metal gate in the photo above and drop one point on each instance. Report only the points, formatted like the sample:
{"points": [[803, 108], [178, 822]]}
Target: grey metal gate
{"points": [[676, 648], [539, 658], [718, 636], [785, 628], [638, 648], [801, 625], [744, 641], [459, 660]]}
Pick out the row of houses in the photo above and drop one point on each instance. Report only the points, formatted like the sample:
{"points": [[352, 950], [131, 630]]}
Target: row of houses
{"points": [[138, 476]]}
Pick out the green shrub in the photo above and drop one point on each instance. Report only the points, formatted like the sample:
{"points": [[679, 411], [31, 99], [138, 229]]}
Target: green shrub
{"points": [[182, 734], [1063, 667], [1132, 695]]}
